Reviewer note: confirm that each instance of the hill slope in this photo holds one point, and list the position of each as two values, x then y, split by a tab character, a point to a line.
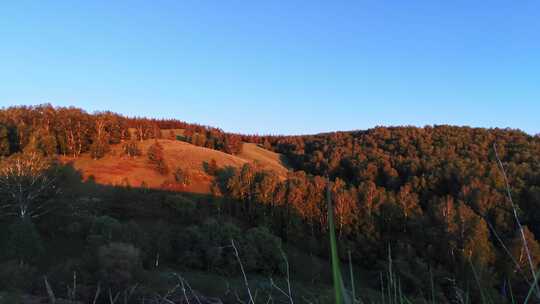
270	160
116	169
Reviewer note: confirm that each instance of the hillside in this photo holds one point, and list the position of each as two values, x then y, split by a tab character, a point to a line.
117	169
432	199
267	159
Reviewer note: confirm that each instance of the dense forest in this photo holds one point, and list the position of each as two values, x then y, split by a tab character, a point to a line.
445	209
72	131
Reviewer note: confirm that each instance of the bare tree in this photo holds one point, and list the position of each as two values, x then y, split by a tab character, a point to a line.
26	185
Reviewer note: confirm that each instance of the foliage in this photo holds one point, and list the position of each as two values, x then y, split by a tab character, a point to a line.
261	251
72	131
27	183
131	148
14	276
119	264
208	247
433	196
106	227
24	242
182	176
4	141
212	167
184	207
157	159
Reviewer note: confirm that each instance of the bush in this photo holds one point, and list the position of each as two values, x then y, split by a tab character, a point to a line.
132	233
182	177
119	265
10	298
183	206
262	251
158	248
208	246
211	167
14	276
99	148
24	242
131	148
157	159
61	275
106	227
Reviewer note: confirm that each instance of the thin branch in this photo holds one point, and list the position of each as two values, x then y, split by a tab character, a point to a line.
50	292
243	272
98	291
514	208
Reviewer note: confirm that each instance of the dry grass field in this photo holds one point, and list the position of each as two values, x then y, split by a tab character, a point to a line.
117	169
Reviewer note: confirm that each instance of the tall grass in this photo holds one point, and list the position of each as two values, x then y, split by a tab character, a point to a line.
339	289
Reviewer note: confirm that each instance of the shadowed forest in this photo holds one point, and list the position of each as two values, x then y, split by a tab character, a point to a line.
439	214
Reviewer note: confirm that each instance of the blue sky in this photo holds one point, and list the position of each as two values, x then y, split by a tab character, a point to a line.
284	67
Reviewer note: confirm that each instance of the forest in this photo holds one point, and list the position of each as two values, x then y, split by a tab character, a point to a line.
450	213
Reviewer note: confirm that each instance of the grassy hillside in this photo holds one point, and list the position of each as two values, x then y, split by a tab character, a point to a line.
117	169
428	209
263	157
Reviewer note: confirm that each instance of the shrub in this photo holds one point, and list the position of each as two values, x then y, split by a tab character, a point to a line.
99	148
106	227
182	177
14	276
131	148
183	206
24	241
211	167
157	159
132	233
262	251
4	141
208	246
119	264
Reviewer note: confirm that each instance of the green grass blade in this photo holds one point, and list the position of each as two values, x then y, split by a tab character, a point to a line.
339	290
432	286
533	287
511	292
351	273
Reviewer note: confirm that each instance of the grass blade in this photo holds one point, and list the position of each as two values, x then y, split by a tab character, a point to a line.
339	290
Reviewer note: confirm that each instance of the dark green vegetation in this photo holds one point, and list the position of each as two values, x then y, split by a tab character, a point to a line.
419	211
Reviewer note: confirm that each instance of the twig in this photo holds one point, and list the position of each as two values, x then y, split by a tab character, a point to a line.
50	292
243	272
111	299
194	294
184	291
509	196
98	291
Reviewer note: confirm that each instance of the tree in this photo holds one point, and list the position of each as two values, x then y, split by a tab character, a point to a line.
157	159
119	264
261	250
27	183
185	208
182	177
106	228
344	206
159	245
212	167
4	141
99	148
131	148
24	242
42	142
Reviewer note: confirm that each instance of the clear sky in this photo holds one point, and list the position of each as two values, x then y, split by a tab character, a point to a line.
284	67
